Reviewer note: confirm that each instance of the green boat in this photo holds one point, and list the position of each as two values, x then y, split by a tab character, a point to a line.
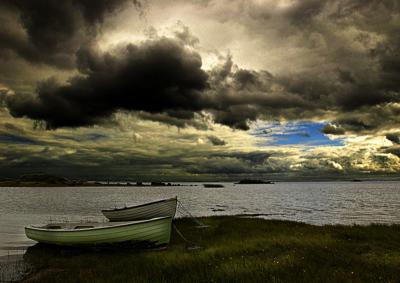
151	232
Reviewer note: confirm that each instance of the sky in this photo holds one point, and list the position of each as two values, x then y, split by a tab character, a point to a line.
201	89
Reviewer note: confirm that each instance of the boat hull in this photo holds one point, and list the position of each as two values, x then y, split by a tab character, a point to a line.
153	232
150	210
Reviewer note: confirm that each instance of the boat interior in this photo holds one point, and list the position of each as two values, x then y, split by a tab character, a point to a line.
75	226
71	226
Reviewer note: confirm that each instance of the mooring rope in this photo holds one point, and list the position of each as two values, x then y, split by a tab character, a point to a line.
181	235
190	245
185	210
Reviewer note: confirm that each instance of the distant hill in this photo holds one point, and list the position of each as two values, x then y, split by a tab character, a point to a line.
45	178
39	179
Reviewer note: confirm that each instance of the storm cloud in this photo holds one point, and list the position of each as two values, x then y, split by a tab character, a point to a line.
111	81
346	63
51	32
156	76
356	87
393	138
216	141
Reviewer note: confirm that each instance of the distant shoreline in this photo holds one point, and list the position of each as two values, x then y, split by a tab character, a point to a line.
80	184
173	184
45	180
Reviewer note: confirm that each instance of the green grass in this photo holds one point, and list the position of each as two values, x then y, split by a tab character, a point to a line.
237	250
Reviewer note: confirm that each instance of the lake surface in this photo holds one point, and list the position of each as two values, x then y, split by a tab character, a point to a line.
316	203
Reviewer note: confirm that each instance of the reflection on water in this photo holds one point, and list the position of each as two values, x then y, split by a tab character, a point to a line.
316	203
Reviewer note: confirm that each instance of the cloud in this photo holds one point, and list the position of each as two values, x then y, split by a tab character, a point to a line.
251	157
335	165
177	118
51	32
16	139
86	137
339	56
216	141
343	67
185	35
393	137
332	129
155	77
395	150
162	152
283	61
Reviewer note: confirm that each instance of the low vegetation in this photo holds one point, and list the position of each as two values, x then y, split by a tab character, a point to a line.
35	180
46	180
234	249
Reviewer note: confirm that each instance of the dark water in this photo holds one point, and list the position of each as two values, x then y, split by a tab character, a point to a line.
316	203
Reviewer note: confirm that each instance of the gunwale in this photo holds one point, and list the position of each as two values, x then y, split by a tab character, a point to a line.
109	225
140	205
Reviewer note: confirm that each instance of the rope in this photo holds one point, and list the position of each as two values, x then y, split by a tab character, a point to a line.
181	235
191	245
182	208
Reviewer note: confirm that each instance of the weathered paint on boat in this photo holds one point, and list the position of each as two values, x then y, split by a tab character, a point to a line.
156	231
161	208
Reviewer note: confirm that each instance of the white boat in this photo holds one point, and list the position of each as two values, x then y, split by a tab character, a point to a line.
161	208
156	231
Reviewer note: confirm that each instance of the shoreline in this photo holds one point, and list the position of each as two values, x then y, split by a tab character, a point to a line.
46	180
235	249
172	184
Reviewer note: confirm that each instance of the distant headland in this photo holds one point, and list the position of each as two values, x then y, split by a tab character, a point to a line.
49	180
46	180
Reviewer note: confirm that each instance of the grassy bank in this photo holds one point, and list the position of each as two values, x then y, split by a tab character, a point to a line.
237	250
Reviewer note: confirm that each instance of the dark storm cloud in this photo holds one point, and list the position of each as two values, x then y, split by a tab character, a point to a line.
252	157
234	163
351	62
49	31
177	118
156	76
355	45
236	116
241	96
395	150
370	119
216	140
393	138
332	129
125	80
361	87
303	11
226	169
362	79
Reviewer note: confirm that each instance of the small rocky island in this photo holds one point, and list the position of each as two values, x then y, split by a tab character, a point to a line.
213	185
252	182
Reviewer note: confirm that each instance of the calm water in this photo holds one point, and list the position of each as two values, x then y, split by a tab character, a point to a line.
315	203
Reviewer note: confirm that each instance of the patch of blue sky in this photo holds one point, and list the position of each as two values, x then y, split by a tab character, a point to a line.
299	133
